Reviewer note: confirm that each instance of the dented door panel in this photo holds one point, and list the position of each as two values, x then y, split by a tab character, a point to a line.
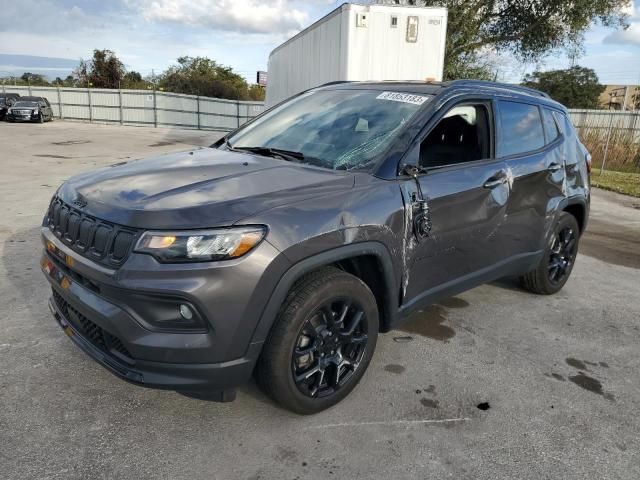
467	213
538	189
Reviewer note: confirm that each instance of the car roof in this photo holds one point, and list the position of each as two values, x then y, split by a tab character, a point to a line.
32	99
435	88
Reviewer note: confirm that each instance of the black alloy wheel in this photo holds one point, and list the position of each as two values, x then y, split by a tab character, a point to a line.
321	343
329	348
558	259
563	253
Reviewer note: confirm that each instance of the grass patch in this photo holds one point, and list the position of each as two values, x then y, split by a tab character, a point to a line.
621	182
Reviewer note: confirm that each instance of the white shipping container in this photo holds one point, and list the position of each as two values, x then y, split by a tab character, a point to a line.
359	43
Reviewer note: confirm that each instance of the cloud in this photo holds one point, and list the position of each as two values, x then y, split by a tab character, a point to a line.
630	36
244	16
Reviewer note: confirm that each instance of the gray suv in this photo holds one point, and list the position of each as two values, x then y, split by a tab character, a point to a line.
286	248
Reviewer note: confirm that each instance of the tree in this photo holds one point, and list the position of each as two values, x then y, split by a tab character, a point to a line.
104	70
636	99
528	29
256	92
203	76
575	87
134	80
70	81
34	79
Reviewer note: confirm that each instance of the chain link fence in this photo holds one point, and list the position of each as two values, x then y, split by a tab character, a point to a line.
612	138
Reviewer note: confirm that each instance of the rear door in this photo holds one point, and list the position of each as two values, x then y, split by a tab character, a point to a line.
465	189
530	144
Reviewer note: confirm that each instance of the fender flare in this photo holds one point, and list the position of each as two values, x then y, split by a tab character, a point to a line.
575	200
316	261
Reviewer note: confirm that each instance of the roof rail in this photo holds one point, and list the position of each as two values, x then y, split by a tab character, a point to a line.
336	82
484	83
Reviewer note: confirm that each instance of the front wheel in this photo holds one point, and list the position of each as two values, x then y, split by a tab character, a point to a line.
322	342
557	263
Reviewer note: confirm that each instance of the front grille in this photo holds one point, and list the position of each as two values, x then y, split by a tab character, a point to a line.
95	334
102	241
22	112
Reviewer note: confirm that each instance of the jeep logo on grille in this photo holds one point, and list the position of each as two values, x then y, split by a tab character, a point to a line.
79	202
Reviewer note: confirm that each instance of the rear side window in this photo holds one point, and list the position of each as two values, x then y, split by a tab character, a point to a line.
565	124
521	128
550	126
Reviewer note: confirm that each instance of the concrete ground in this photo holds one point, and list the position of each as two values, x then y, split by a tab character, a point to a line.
559	376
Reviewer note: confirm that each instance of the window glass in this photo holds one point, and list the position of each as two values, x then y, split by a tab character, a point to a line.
462	135
521	128
338	129
565	124
550	126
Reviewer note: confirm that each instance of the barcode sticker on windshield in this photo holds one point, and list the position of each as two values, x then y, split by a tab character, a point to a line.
402	97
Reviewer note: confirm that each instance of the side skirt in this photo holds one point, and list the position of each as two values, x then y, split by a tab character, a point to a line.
515	265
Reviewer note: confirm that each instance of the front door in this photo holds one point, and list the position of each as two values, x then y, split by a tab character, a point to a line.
465	191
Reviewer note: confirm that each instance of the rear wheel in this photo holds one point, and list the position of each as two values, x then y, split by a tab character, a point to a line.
322	342
558	260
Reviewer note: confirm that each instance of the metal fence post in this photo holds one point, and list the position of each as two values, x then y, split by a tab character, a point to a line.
90	105
198	109
29	89
120	105
238	112
59	104
155	109
606	147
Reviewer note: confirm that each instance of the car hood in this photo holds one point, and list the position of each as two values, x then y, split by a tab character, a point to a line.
197	189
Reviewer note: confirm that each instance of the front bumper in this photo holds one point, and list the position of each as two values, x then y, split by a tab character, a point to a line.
93	306
172	376
22	118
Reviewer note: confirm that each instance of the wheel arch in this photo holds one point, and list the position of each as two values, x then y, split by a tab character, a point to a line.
579	211
577	206
369	261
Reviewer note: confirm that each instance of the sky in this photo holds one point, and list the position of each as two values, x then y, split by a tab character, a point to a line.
148	35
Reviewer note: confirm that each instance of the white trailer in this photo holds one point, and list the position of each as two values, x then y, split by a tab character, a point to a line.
360	42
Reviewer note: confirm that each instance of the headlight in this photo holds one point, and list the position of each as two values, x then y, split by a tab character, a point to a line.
200	246
35	112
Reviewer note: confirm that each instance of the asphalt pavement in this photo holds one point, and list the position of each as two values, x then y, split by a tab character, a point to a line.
495	383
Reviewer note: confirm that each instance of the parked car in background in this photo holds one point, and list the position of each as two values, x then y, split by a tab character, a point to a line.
30	109
283	250
6	100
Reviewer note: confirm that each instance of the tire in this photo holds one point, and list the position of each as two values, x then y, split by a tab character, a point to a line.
559	258
41	119
299	328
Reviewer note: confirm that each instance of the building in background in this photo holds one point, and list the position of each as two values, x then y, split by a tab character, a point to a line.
621	97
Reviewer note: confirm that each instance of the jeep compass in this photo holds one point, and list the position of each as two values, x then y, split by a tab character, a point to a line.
285	249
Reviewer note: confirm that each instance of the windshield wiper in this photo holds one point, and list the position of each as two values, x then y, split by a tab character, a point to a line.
275	152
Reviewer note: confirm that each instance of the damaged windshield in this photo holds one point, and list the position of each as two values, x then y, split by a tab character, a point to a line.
337	129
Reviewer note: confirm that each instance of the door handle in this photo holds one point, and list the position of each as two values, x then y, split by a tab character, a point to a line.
496	180
554	167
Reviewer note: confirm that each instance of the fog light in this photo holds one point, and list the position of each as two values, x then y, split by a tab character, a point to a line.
186	312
